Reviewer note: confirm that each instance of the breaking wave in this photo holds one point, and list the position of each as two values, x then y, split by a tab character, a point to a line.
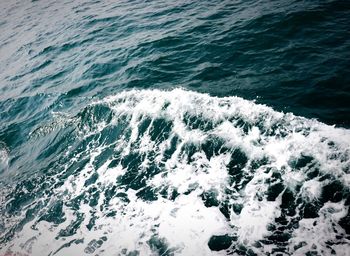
150	172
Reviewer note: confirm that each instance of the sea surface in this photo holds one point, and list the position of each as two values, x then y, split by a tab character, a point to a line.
174	127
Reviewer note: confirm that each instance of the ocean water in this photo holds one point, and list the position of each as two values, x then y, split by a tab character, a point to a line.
174	127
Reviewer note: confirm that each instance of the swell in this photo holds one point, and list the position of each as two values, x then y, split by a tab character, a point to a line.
277	51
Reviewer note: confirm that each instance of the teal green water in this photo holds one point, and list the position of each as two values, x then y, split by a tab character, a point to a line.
138	128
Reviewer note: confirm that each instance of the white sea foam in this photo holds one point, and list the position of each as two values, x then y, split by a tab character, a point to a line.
193	148
314	234
4	157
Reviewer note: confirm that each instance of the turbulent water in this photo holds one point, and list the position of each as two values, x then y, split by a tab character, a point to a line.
138	128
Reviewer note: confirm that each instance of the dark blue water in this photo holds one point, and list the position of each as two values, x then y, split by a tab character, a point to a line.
174	128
